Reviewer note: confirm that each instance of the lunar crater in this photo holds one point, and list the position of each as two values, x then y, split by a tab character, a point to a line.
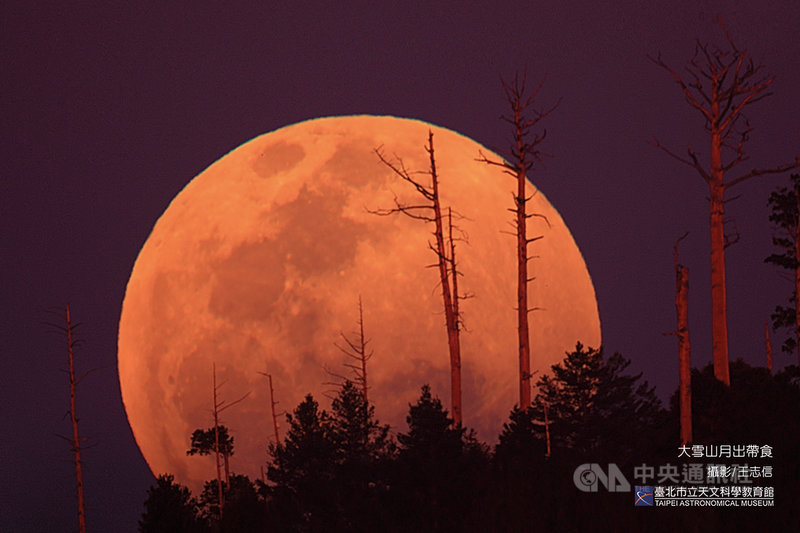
280	157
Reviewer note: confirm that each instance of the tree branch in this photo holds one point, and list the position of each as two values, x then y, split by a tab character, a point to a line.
692	162
759	172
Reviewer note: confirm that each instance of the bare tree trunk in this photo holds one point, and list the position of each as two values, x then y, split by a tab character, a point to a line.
432	212
684	345
522	295
768	346
455	353
224	449
684	348
522	156
356	350
720	83
719	306
272	407
225	458
362	351
76	440
451	320
547	430
520	201
216	444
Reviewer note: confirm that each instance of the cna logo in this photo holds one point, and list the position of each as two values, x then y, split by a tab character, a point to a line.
643	496
589	475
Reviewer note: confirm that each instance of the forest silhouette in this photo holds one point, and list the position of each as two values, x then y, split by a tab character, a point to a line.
342	470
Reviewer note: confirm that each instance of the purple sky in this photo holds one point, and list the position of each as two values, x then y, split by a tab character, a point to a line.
107	112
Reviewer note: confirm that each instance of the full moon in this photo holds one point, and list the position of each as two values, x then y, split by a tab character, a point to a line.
259	263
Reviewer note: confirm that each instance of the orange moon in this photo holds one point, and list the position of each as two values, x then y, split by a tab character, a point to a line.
258	264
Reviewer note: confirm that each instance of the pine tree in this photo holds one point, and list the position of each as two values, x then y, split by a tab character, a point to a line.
204	442
520	443
363	449
358	436
438	470
785	206
170	507
594	409
243	508
303	468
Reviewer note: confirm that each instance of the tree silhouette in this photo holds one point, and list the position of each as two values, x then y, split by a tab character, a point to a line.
358	436
432	211
76	442
357	351
594	409
521	468
684	343
330	472
437	469
768	346
757	408
720	83
217	446
520	444
243	510
302	468
204	442
784	204
362	451
272	405
523	156
169	508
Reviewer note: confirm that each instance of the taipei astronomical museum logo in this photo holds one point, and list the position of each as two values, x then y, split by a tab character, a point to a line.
643	496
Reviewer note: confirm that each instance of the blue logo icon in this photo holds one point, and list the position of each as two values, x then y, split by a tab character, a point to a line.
643	496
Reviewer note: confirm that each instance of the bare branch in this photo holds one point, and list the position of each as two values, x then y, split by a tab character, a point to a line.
692	161
675	248
733	237
686	89
502	164
543	217
222	405
759	172
400	171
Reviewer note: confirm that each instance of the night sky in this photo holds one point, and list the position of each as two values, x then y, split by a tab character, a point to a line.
108	111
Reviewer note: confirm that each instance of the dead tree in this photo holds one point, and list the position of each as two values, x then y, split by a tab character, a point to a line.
358	352
768	346
431	211
684	346
272	404
720	83
219	407
523	156
76	442
454	273
546	431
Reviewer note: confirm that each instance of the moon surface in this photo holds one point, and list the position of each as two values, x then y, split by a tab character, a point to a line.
258	265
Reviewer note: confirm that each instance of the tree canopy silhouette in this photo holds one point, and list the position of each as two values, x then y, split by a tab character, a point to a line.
594	409
784	204
437	470
170	507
